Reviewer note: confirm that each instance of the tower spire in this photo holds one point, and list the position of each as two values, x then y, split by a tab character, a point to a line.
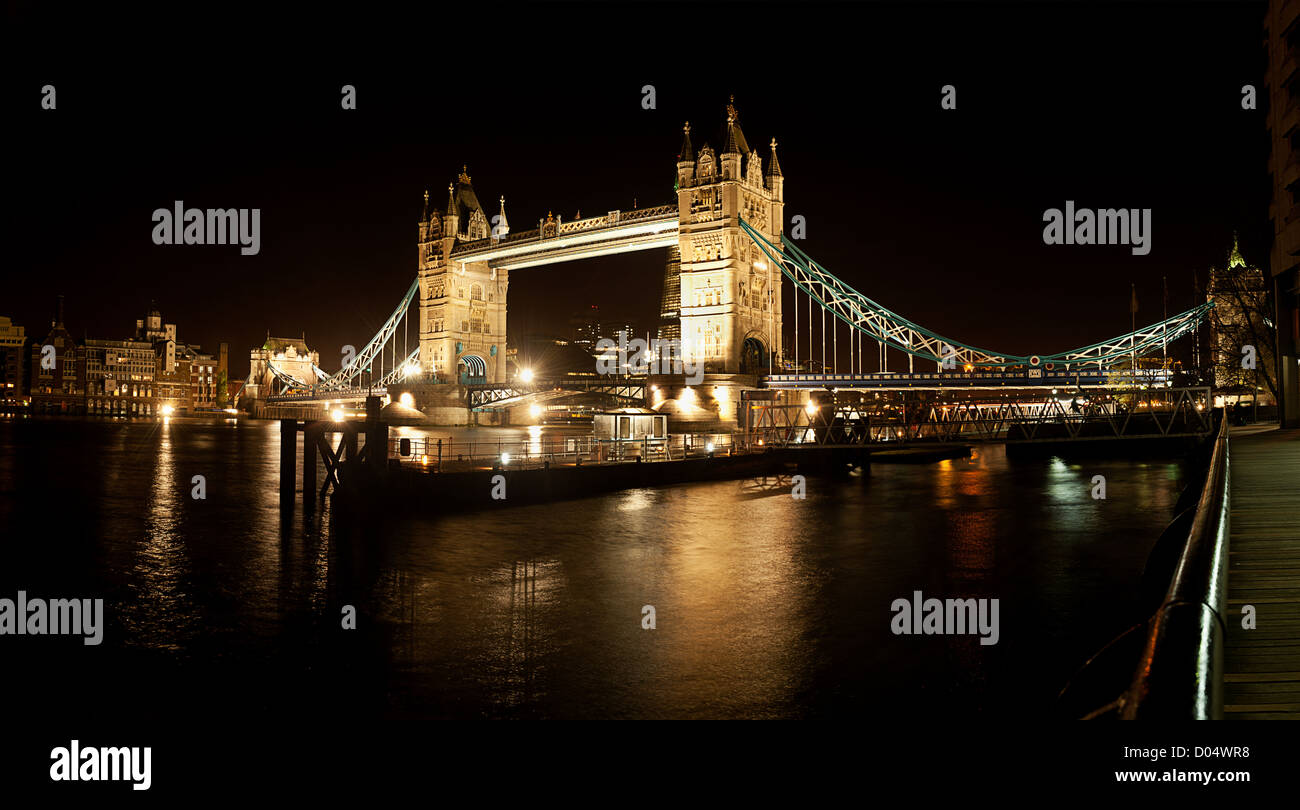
502	227
688	153
774	166
1235	258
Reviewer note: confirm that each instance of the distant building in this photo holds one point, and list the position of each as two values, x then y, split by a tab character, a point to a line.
1239	293
57	381
1282	38
13	343
203	378
586	327
277	360
120	377
670	324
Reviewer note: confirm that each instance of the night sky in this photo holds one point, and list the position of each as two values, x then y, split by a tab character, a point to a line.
935	214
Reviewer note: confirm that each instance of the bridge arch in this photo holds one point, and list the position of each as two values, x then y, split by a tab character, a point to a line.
471	369
754	353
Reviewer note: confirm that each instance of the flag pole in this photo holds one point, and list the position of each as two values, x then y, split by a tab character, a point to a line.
1164	331
1132	335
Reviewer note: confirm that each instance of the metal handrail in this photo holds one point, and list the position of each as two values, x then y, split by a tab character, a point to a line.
1180	673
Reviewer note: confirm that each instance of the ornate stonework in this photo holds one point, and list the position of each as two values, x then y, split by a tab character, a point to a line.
730	294
462	304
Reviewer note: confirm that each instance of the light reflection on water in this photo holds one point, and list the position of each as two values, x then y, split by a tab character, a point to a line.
766	606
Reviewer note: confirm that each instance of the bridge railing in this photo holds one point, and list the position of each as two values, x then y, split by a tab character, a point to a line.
1173	412
1180	673
451	455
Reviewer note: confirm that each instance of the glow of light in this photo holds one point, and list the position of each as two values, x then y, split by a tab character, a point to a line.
535	410
687	398
337	415
167	410
505	458
406	399
708	448
526	375
811	407
411	369
424	460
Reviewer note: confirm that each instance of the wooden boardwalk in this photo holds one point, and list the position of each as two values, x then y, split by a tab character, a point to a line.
1262	666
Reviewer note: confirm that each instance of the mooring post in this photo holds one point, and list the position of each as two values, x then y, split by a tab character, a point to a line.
288	460
376	436
311	434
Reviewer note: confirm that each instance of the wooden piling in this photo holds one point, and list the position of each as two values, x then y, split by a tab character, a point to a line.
288	460
310	436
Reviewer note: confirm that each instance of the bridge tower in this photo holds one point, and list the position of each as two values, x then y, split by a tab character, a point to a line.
462	304
730	310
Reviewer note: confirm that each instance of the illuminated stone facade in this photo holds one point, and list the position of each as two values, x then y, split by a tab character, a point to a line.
730	311
292	356
462	304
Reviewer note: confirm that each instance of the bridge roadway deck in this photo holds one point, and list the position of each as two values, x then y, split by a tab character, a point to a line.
1262	666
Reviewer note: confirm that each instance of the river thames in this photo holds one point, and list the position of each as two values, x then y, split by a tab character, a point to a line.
766	606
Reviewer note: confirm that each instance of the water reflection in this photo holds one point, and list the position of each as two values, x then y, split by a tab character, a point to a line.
766	605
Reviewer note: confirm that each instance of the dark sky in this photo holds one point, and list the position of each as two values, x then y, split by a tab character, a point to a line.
935	214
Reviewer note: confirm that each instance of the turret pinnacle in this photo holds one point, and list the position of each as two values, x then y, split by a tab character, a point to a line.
688	153
1235	258
774	166
734	140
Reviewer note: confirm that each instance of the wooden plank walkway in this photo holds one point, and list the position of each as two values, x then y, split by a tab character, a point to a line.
1262	666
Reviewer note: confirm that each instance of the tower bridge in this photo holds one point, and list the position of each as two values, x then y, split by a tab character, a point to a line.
728	262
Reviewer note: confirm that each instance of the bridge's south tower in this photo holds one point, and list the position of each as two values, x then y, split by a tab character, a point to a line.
462	304
730	294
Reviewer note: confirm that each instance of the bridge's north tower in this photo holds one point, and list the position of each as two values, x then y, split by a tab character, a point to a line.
462	304
730	295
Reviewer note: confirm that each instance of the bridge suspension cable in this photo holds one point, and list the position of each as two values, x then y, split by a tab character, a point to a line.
891	330
364	360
